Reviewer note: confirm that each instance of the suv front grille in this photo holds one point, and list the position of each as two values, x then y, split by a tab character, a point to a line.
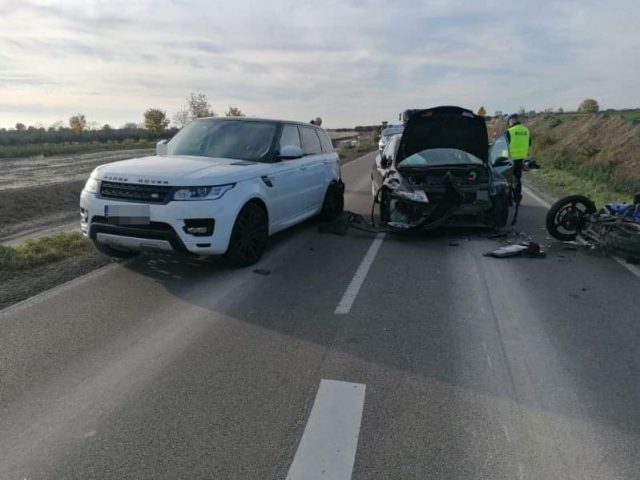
132	191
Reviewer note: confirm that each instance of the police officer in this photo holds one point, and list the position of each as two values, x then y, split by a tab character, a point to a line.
519	140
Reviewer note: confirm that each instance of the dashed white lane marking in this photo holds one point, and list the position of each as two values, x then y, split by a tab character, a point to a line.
330	439
484	346
352	290
506	432
632	268
489	362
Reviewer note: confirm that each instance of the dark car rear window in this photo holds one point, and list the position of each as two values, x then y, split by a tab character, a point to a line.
436	157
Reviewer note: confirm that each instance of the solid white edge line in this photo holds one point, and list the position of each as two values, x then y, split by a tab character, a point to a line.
632	268
357	159
353	289
536	197
328	446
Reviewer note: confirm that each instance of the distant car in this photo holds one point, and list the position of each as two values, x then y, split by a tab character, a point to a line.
220	186
387	133
437	172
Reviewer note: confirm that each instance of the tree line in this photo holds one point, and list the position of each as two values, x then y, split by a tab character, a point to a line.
155	125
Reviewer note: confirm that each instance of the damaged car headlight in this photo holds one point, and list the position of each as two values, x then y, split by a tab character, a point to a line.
392	180
92	185
202	193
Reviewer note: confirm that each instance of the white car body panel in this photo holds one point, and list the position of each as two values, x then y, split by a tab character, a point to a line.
296	193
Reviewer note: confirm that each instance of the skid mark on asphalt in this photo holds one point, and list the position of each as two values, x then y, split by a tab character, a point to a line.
351	293
330	439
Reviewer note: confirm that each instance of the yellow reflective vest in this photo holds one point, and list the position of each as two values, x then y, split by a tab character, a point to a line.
519	140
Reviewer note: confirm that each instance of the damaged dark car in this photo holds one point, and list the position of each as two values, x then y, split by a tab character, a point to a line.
437	173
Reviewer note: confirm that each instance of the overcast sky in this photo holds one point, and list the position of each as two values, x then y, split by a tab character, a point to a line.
350	62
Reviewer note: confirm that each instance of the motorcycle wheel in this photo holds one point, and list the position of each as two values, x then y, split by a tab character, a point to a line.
567	217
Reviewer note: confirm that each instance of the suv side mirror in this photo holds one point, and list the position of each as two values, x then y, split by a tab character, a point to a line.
290	152
161	148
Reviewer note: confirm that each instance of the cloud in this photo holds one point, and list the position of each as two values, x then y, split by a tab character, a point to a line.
351	62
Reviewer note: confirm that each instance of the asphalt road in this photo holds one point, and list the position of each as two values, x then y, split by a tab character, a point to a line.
357	356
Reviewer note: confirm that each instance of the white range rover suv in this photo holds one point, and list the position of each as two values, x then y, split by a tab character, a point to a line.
220	186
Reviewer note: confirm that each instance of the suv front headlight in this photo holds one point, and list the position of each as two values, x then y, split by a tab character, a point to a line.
202	193
92	185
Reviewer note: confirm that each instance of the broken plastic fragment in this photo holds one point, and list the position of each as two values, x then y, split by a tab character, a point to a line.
417	196
400	225
530	249
508	251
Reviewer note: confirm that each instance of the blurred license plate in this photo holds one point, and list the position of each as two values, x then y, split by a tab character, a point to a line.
127	214
482	195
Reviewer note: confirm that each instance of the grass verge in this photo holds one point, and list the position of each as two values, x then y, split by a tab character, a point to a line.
42	251
562	183
38	265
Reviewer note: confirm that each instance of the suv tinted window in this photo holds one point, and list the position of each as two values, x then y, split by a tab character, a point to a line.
310	141
327	146
290	136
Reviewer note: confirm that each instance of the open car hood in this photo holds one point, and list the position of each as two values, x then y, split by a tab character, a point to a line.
444	127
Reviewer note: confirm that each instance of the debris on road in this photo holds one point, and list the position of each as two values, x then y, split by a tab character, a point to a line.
337	228
528	249
496	235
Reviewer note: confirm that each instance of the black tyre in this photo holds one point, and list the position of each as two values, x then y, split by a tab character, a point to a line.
249	236
114	252
567	217
624	241
385	205
333	204
499	211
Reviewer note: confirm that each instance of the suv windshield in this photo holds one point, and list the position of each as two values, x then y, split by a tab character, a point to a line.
237	139
435	157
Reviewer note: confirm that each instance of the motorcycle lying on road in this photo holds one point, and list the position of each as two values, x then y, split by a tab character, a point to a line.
615	228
